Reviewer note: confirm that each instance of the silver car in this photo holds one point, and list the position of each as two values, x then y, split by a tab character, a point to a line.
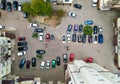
47	64
72	14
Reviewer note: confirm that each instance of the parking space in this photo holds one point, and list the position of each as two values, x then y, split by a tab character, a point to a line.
102	54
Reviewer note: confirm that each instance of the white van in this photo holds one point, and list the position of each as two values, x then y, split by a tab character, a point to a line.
2	27
21	53
19	7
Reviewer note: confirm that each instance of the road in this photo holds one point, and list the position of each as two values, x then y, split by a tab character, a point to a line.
103	54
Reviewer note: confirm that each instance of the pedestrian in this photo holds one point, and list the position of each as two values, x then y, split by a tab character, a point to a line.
44	28
46	45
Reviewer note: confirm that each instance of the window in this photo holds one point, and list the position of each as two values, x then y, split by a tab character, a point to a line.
66	0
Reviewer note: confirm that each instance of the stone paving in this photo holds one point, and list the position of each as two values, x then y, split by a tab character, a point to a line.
103	54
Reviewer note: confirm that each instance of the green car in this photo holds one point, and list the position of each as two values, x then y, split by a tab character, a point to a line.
53	63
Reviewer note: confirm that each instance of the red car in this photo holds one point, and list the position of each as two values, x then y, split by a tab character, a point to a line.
47	37
28	64
71	58
88	60
21	38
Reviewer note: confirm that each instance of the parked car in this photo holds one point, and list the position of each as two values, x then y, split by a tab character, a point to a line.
52	37
94	3
95	29
69	29
28	64
47	37
65	58
79	38
22	63
53	63
88	22
38	30
63	38
3	4
15	5
58	60
88	60
2	27
23	48
68	38
100	38
72	14
25	15
77	6
71	58
40	51
23	43
21	53
21	38
83	38
9	6
90	38
80	28
74	37
95	39
42	65
47	64
33	61
100	29
20	8
40	36
75	28
33	24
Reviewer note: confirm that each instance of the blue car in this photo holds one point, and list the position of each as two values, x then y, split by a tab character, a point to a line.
75	28
22	63
88	22
100	38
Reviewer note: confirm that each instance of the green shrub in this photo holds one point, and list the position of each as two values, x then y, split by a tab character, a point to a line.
88	30
39	56
35	35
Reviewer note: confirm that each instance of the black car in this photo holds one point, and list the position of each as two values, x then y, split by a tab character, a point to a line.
69	29
25	15
52	37
33	61
15	5
9	6
95	29
24	48
38	30
3	4
22	43
40	51
90	38
58	60
77	6
84	38
79	38
74	37
80	28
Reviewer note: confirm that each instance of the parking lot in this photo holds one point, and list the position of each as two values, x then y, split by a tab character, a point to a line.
103	54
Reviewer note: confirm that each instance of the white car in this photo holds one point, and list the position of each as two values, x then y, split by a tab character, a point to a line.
47	64
72	14
42	65
94	3
20	8
100	29
33	24
2	27
40	36
21	53
68	38
63	38
95	39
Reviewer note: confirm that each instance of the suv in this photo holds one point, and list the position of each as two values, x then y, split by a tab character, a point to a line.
40	36
2	27
19	7
33	61
84	38
38	30
58	60
53	63
80	28
79	38
22	63
95	29
69	29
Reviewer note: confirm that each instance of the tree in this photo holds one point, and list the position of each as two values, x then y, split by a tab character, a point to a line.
88	30
60	13
26	7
